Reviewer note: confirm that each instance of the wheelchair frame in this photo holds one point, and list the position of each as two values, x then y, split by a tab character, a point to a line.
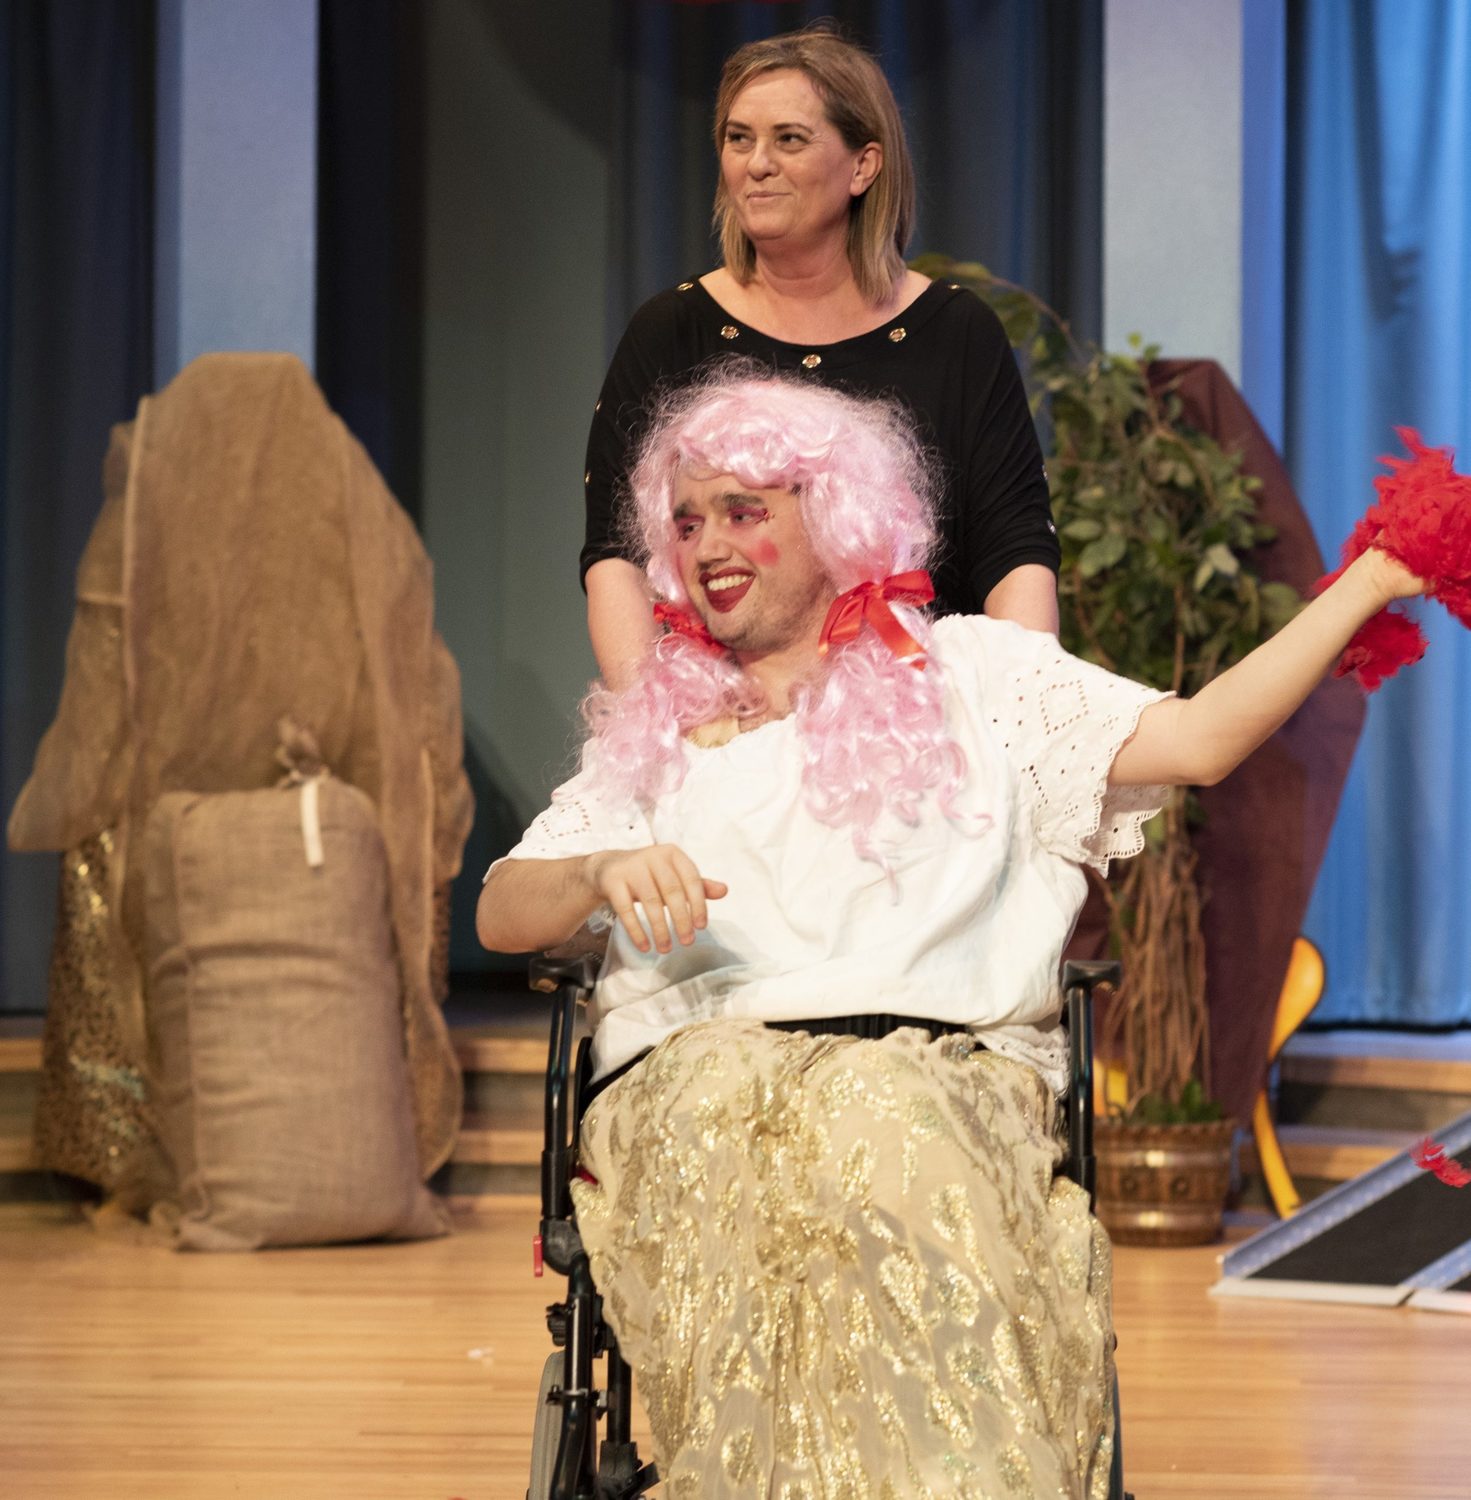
578	1468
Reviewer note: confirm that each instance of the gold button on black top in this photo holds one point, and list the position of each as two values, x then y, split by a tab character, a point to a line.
730	331
684	286
897	335
587	478
812	361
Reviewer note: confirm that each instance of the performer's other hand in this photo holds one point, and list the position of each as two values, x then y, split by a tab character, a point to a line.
664	881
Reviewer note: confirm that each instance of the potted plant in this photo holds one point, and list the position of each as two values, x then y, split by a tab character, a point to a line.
1155	520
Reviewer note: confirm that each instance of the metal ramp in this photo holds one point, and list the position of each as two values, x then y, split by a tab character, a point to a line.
1394	1235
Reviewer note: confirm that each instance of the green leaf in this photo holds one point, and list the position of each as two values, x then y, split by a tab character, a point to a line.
1103	553
1082	530
1280	602
1195	1107
1224	560
931	264
1020	324
1158	522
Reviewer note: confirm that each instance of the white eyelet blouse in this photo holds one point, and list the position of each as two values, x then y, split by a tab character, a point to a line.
970	928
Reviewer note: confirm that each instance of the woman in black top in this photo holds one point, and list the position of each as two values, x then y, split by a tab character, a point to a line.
815	205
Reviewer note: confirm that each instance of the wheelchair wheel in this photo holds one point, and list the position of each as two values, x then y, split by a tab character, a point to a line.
547	1432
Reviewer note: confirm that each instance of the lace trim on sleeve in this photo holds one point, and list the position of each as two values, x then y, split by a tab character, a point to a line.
1064	721
576	824
579	823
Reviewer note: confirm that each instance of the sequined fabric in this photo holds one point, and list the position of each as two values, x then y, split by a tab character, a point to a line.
843	1269
89	1113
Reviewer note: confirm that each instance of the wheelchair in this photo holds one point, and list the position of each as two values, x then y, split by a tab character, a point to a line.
567	1461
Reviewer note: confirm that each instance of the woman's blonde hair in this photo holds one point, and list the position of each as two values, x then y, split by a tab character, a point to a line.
860	104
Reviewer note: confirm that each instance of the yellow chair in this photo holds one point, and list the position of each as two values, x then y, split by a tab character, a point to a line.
1110	1087
1301	991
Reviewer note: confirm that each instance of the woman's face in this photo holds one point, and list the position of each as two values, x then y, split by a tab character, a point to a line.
787	171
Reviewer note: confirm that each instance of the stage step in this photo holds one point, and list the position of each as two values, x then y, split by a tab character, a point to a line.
1347	1100
1318	1157
501	1046
20	1077
20	1047
501	1041
1366	1080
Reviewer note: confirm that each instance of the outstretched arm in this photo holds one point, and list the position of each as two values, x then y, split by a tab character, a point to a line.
1198	741
530	904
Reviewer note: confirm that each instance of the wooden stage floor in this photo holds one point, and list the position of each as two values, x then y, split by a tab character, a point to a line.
408	1371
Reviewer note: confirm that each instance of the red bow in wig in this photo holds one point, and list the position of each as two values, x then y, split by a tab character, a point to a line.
869	603
1423	520
691	627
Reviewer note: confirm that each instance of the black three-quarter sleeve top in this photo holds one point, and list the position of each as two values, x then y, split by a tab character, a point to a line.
945	356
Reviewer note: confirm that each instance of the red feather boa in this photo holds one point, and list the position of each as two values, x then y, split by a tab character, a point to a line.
1423	519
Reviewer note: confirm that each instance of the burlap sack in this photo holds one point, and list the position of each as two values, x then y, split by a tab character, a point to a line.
281	1089
249	563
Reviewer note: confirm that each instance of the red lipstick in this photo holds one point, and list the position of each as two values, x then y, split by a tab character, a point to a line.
722	601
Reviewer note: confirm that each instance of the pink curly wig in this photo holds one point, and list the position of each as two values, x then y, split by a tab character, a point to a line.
872	727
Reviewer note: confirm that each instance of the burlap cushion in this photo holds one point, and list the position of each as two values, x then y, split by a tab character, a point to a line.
280	1084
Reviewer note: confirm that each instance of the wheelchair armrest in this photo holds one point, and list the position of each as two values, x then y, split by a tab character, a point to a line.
548	971
568	980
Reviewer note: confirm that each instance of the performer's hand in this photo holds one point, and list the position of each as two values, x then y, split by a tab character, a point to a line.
1389	578
664	881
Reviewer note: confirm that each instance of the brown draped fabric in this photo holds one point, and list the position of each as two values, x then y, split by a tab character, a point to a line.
1267	824
248	565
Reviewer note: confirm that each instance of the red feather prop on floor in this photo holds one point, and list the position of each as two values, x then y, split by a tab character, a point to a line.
1423	519
1430	1156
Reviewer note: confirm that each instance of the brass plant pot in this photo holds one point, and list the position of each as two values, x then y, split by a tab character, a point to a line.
1163	1184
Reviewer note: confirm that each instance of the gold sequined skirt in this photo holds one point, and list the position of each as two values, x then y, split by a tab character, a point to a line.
844	1268
91	1112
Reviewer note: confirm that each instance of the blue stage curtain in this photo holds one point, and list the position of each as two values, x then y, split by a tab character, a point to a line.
76	353
370	229
1379	335
1002	102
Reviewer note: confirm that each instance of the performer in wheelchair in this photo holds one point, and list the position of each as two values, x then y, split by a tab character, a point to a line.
839	850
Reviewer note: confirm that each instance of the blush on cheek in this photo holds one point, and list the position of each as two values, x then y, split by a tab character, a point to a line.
763	553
